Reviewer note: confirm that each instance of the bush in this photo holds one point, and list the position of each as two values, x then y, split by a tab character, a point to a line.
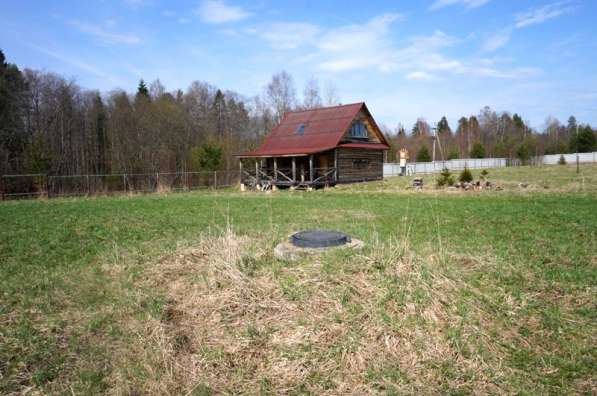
478	151
583	142
445	178
206	157
423	155
453	155
562	160
523	153
484	173
465	176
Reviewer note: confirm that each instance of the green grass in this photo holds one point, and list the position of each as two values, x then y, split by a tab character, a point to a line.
73	274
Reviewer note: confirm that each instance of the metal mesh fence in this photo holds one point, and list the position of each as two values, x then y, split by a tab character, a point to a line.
50	186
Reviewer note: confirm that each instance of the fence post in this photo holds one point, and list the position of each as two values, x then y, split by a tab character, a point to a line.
2	186
124	182
47	185
157	181
215	180
88	186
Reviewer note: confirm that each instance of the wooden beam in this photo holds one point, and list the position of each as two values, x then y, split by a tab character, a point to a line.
257	181
240	174
335	164
311	168
294	169
275	169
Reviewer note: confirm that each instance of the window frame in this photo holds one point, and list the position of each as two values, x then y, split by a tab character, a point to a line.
361	129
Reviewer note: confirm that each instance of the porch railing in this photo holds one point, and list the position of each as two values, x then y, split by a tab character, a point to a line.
285	176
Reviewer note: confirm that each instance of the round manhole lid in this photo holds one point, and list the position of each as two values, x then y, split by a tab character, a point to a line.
319	238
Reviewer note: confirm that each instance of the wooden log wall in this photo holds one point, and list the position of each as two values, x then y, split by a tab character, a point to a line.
359	164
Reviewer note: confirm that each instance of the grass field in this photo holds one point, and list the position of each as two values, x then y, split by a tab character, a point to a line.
455	292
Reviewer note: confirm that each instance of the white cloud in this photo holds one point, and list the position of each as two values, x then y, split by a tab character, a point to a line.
437	4
424	53
359	46
511	74
217	11
539	15
287	35
76	62
497	40
104	35
419	76
522	20
369	46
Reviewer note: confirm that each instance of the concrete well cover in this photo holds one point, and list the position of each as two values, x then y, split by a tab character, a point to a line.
319	238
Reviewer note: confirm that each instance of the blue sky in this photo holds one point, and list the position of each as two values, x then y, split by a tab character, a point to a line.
406	59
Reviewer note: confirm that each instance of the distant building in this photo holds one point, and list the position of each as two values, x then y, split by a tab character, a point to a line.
323	146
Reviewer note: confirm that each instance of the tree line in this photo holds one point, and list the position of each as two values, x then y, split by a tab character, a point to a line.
492	134
51	125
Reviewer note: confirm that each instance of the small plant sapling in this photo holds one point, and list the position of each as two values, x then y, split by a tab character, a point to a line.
445	178
465	176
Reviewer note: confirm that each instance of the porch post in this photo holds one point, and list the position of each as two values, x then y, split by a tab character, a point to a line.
257	180
311	168
293	169
240	174
275	169
335	165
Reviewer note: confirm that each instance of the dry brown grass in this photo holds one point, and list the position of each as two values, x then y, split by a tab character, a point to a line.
386	320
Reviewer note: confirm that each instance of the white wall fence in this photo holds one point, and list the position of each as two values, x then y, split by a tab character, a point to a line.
570	158
412	168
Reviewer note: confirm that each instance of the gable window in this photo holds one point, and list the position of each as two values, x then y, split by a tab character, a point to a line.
358	130
301	129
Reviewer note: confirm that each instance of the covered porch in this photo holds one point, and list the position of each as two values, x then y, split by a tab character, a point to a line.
293	171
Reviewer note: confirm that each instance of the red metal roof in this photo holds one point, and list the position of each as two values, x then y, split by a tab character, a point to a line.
323	129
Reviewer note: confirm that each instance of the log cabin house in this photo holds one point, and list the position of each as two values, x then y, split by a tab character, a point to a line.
318	147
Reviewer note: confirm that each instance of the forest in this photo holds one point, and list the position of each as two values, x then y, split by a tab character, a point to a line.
51	125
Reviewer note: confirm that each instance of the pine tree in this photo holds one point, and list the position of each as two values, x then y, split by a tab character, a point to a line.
584	141
445	178
571	124
443	128
465	176
219	114
142	89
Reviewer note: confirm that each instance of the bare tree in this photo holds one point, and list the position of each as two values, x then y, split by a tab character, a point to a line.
281	94
330	95
156	89
311	95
